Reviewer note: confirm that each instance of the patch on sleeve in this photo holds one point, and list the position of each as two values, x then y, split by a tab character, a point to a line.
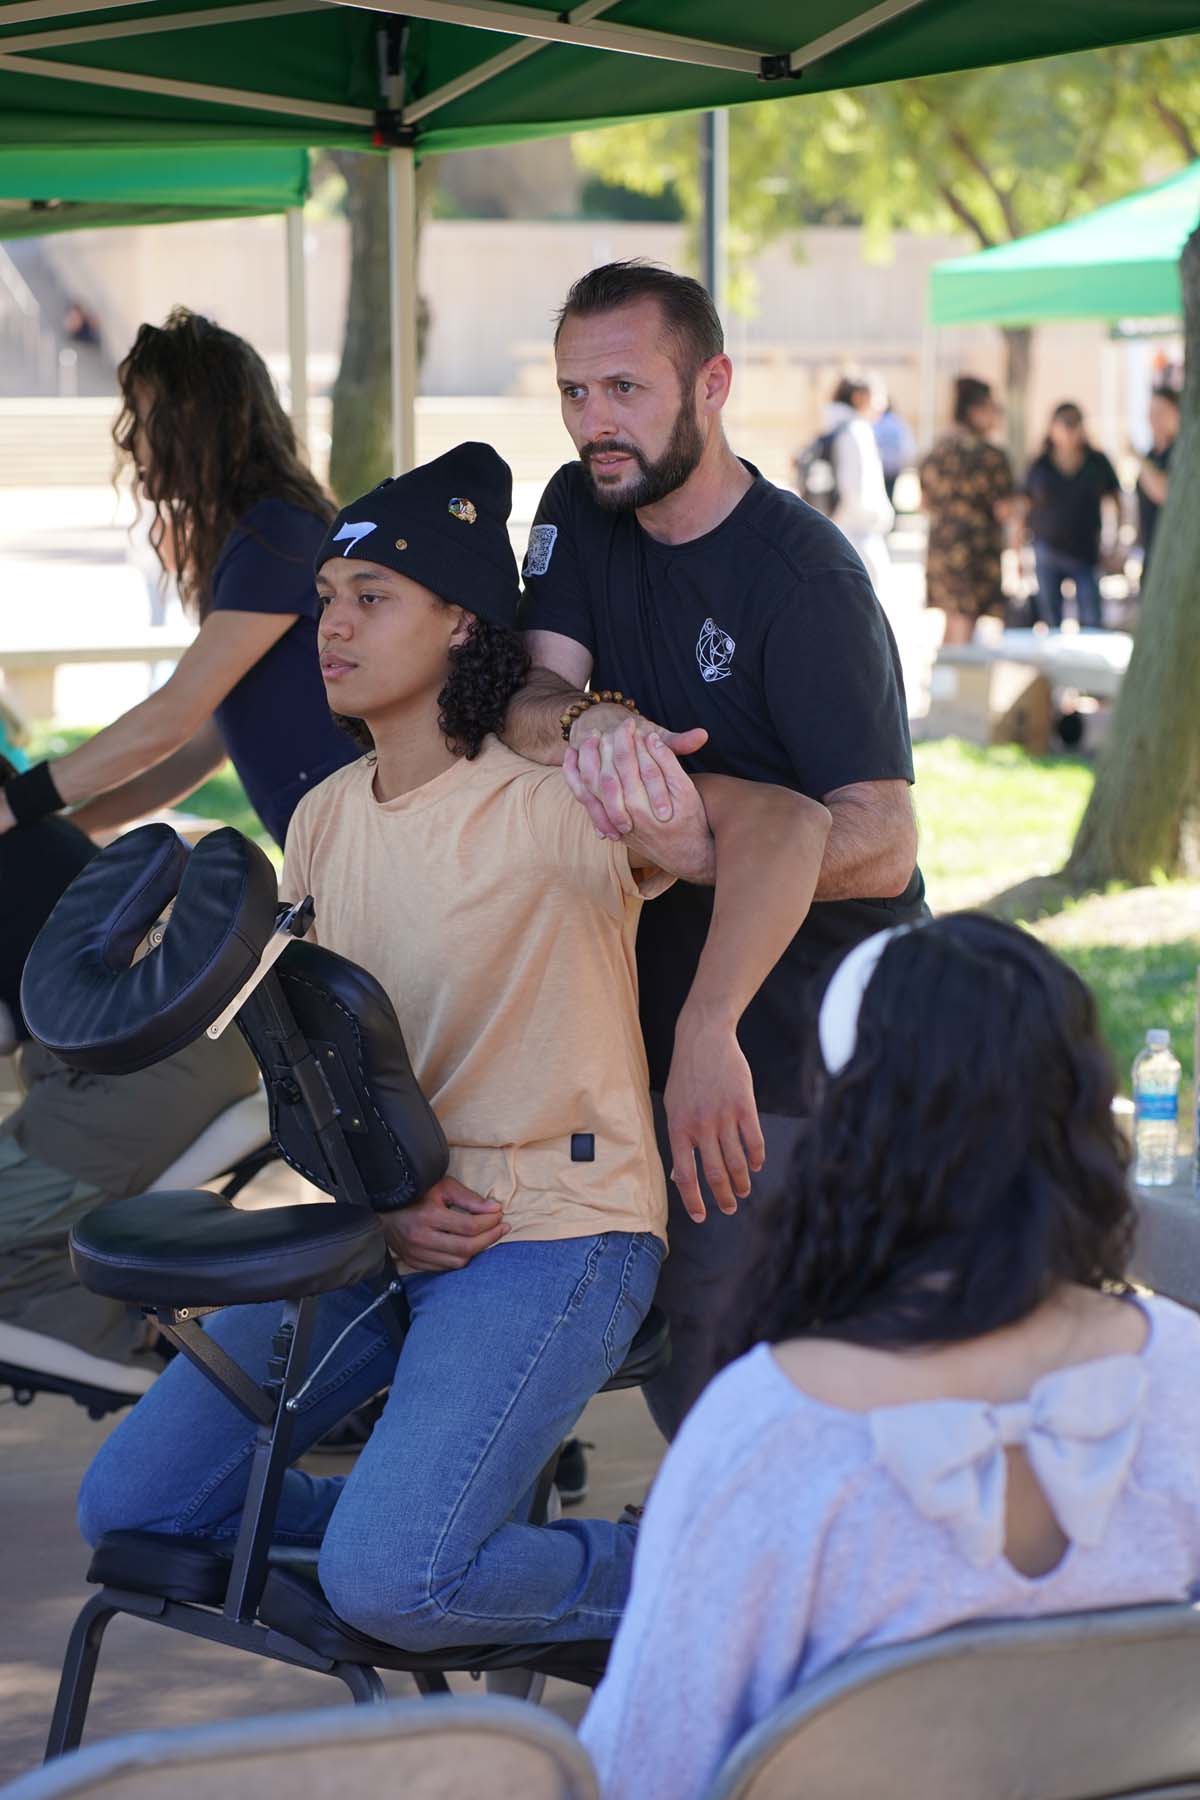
540	550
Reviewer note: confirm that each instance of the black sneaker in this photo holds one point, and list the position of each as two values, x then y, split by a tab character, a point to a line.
570	1473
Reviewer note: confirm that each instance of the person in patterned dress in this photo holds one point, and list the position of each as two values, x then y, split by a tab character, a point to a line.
966	485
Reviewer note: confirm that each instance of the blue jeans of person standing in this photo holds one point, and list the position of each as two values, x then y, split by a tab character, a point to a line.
1053	568
421	1544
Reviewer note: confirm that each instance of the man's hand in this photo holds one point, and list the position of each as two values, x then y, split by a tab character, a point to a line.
711	1109
609	783
7	821
445	1228
678	841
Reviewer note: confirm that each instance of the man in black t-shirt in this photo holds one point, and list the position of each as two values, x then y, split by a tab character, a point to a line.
1067	486
744	627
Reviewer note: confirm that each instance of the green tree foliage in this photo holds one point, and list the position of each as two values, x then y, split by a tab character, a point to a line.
995	153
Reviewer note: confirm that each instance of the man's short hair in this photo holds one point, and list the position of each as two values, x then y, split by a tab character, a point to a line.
1164	391
687	308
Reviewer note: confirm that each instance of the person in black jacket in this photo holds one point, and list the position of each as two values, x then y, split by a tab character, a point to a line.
1069	486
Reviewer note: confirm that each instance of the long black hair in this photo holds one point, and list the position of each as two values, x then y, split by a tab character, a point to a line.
219	441
486	670
962	1166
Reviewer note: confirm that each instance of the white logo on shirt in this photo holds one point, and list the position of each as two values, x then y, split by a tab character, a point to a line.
714	651
540	550
356	532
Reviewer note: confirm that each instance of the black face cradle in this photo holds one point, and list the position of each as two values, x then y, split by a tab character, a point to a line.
83	995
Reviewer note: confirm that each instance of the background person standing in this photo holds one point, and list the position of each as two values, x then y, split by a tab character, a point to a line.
670	574
1152	478
1073	494
966	489
863	511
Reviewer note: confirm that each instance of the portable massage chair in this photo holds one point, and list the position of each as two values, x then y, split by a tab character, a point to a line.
346	1112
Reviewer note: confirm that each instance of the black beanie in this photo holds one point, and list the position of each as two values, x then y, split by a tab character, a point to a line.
444	525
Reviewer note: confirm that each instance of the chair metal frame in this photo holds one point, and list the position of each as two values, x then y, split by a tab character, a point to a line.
266	1011
175	1754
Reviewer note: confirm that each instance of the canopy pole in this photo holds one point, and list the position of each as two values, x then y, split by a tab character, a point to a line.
402	251
297	325
714	189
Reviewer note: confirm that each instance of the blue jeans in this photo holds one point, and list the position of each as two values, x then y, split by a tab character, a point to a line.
420	1544
1053	568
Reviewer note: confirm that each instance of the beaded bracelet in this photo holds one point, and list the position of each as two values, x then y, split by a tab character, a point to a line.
604	697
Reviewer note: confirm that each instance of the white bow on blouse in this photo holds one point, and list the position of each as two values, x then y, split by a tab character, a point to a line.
1079	1428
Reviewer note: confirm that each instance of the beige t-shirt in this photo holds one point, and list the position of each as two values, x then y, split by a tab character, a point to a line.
502	929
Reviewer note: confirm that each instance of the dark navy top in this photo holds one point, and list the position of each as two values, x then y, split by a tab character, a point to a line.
276	724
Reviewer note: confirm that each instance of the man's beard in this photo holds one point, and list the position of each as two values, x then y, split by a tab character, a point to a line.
657	479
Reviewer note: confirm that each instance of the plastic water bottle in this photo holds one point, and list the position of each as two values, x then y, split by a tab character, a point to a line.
1155	1112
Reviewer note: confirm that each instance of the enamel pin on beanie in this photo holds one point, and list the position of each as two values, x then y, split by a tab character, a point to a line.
444	525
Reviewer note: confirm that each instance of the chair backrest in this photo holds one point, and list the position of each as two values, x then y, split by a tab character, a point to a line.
435	1749
359	1062
1085	1706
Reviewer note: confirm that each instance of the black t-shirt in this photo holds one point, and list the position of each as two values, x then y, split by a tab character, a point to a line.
1066	508
276	724
1148	509
766	632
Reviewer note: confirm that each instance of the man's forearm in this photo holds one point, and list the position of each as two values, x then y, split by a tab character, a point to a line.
769	844
532	726
872	847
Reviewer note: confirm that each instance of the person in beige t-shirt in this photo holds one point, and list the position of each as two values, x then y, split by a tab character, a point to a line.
502	927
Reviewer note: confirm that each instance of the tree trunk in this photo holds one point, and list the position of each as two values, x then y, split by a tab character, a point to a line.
361	453
1018	366
1141	815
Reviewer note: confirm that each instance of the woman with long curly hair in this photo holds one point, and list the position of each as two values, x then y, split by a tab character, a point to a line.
475	888
951	1404
237	516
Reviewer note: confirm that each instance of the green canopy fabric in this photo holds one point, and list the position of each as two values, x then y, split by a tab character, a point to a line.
1120	262
308	72
65	190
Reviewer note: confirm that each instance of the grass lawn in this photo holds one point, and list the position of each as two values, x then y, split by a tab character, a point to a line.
990	819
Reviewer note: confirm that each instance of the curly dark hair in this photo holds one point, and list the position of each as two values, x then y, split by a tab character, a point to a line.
486	670
219	442
962	1166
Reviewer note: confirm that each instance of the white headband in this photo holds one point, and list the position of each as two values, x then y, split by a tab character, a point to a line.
837	1026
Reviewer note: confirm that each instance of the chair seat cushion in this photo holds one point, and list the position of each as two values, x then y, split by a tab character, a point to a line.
294	1605
196	1249
176	1568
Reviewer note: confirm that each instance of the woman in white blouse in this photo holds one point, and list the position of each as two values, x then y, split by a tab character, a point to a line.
954	1406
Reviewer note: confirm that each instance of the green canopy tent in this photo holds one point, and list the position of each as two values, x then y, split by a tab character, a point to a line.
81	188
72	189
1120	262
414	76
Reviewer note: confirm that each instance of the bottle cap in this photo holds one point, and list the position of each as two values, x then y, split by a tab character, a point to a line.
1159	1040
